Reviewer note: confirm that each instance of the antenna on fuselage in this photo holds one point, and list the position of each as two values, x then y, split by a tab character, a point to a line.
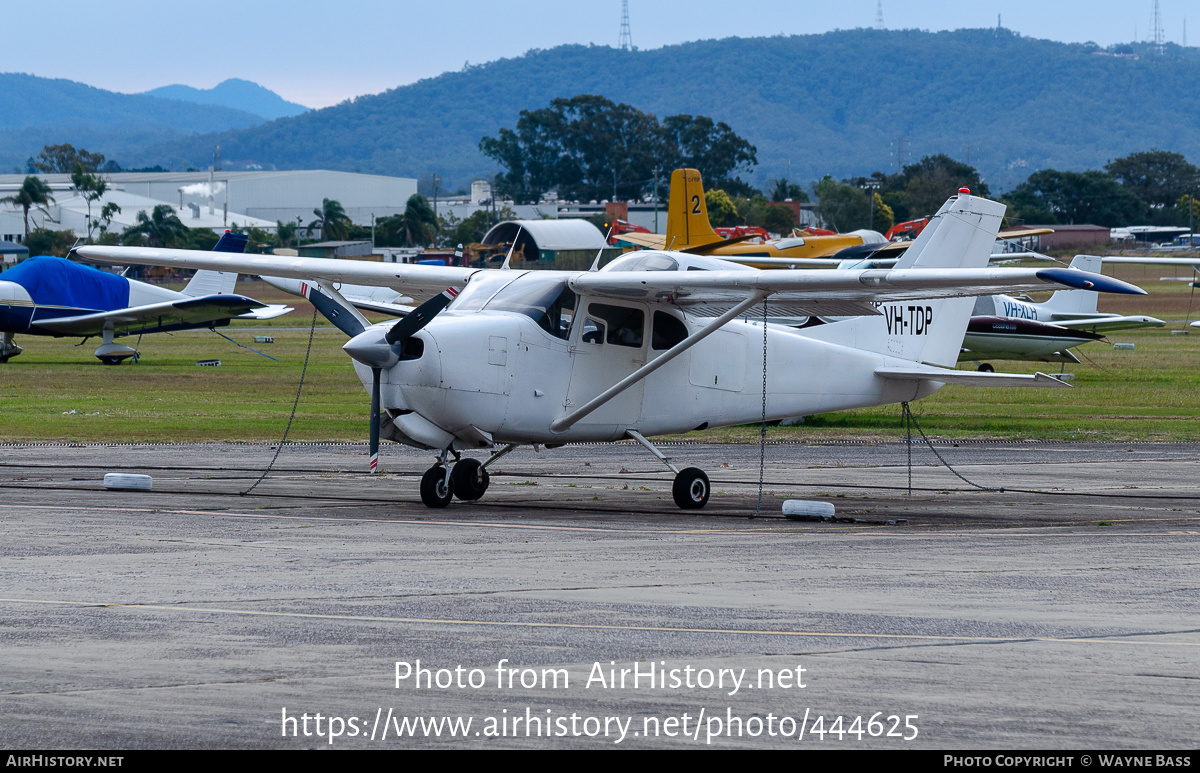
508	258
600	252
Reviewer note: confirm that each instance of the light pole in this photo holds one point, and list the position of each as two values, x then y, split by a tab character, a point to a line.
870	186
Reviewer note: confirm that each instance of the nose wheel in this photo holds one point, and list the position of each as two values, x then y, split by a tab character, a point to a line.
469	480
435	487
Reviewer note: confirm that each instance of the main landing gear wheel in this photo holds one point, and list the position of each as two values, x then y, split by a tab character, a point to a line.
111	360
691	489
435	490
469	480
986	368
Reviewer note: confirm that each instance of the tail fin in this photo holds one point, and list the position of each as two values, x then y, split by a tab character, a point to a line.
217	282
687	212
960	235
1077	301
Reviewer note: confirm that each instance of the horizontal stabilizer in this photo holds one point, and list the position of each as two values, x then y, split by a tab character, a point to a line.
968	378
270	311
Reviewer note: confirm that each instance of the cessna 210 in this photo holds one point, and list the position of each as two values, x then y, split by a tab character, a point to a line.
649	345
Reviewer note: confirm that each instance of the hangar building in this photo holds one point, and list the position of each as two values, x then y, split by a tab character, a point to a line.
555	244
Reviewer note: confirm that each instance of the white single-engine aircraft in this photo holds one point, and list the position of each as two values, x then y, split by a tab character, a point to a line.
649	345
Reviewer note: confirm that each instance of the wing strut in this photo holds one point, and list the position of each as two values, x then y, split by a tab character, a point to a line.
566	421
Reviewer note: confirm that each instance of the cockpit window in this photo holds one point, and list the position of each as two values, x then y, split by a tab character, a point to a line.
668	331
644	261
545	299
624	324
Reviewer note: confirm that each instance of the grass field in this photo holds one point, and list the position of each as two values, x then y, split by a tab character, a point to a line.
57	391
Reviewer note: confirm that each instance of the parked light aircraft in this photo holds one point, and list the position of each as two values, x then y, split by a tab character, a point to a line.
649	345
689	230
1193	263
1007	328
49	296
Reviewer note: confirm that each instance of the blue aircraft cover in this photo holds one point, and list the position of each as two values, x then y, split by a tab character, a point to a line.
59	282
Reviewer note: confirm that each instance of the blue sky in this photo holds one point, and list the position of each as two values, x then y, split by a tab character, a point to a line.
319	53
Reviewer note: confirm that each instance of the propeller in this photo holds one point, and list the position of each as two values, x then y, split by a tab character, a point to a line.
366	347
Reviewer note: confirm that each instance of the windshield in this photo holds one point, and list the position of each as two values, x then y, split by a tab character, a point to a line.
545	299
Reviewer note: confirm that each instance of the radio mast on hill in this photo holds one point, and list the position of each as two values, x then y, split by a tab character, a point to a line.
879	14
625	42
1156	27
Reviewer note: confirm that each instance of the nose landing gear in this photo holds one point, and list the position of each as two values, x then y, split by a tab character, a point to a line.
468	479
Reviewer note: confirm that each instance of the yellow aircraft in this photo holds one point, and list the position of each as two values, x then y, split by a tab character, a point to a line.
689	230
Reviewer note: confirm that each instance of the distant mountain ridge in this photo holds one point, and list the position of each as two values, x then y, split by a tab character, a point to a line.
234	93
45	111
842	103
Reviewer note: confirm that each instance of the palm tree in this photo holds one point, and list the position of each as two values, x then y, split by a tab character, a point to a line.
418	222
162	228
33	193
332	220
285	233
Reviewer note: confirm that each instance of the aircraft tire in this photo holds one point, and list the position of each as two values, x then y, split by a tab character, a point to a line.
435	492
690	490
986	368
111	360
3	360
469	480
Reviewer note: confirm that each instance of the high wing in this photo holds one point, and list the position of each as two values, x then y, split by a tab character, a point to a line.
836	292
419	282
156	317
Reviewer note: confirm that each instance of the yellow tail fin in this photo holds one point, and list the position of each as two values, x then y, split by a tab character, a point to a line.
687	212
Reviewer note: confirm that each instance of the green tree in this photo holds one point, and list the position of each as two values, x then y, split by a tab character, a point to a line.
62	159
778	219
884	218
782	190
722	212
1051	196
332	220
107	213
162	228
91	187
33	194
285	234
418	221
841	206
202	239
468	230
1188	211
696	142
588	147
929	182
1157	177
43	241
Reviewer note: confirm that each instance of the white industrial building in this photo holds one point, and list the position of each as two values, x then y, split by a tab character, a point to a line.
265	197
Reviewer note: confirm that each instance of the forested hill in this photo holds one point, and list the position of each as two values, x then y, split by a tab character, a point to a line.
835	104
45	111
